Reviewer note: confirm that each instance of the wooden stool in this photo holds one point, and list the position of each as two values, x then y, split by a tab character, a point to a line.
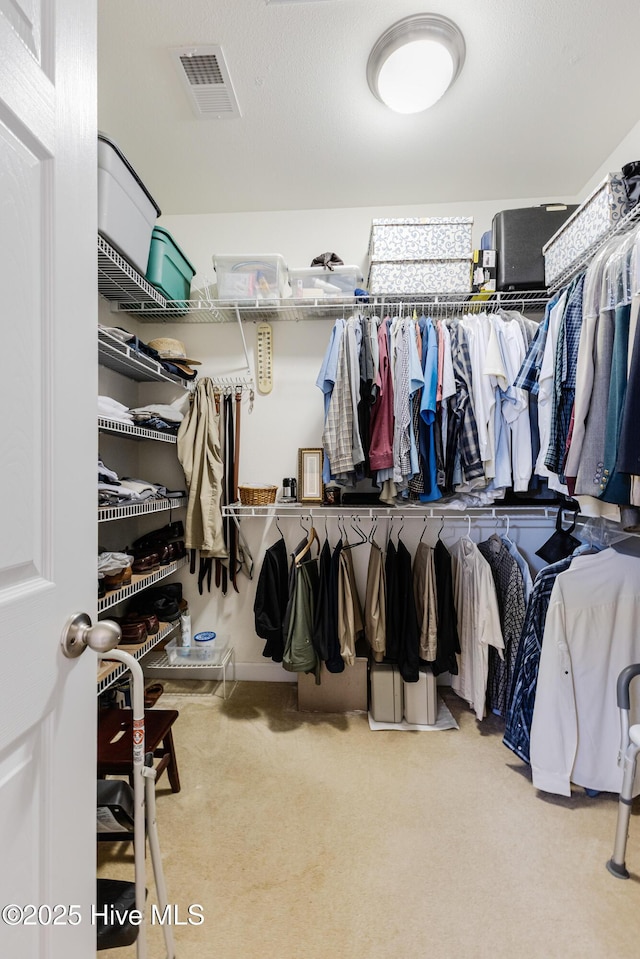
115	743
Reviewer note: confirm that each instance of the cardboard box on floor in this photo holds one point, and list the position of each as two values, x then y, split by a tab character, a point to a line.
338	692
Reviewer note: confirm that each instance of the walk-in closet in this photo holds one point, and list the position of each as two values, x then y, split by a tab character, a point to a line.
342	659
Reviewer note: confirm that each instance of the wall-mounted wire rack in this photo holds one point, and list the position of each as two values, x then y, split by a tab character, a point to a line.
109	672
106	425
623	225
120	282
122	358
107	514
417	512
259	311
138	583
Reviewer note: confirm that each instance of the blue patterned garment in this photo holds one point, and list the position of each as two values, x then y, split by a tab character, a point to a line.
564	378
529	373
517	735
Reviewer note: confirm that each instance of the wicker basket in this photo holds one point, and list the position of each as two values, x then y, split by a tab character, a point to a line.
257	495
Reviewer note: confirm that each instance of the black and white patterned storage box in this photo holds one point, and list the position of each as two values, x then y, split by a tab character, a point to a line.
420	276
585	227
421	238
420	255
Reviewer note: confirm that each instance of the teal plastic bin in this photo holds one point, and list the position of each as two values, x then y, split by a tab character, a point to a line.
168	269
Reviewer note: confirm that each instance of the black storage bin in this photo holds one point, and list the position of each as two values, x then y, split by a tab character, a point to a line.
518	237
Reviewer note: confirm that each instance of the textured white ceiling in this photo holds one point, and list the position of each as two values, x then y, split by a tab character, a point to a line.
547	91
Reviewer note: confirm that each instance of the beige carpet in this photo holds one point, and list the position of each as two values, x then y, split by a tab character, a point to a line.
309	836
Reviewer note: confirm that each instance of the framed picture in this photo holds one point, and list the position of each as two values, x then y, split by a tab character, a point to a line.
310	475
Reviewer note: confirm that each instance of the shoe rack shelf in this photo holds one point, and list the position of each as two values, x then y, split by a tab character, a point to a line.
108	513
108	672
139	581
106	425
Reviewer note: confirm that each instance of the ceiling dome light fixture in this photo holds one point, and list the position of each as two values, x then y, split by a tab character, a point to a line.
415	62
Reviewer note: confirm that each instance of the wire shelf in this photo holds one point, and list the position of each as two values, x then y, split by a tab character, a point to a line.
106	425
222	311
624	225
121	358
419	511
109	672
120	282
138	583
108	513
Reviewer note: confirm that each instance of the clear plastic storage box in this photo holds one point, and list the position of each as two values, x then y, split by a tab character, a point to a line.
212	654
313	282
251	277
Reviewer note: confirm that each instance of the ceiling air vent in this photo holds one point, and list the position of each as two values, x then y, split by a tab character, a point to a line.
206	79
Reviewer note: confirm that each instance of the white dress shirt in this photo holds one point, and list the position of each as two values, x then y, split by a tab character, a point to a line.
592	631
478	621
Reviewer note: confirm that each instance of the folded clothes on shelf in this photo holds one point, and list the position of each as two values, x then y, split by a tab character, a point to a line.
170	412
113	410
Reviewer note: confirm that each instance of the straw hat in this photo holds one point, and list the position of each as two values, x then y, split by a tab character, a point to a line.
172	350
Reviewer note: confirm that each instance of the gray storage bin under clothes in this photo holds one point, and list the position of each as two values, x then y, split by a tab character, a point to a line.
518	237
387	703
421	700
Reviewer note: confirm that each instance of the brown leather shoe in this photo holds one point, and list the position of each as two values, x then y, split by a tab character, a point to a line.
114	580
132	633
150	621
147	563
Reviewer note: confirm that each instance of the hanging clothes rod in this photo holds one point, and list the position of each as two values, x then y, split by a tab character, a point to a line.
302	510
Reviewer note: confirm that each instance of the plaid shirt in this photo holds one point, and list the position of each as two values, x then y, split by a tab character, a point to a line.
529	373
337	436
464	430
517	734
564	377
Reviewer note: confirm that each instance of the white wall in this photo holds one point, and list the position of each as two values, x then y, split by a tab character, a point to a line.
301	235
628	149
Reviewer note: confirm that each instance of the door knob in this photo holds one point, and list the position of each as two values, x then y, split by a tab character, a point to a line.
79	633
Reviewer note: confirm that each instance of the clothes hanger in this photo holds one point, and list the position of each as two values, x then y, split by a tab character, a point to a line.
313	538
372	531
441	528
359	532
424	530
278	527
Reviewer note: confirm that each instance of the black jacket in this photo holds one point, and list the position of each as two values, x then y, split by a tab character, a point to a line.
272	593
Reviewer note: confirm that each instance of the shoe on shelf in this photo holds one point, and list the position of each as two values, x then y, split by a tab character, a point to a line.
167	610
148	563
150	621
132	633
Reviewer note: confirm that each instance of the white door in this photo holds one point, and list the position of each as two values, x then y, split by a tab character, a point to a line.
48	444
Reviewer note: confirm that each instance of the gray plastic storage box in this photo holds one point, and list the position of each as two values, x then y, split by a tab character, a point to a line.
126	210
421	700
386	693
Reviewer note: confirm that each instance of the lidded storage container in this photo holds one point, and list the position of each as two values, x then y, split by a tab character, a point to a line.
126	209
257	277
586	226
168	268
313	282
420	255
